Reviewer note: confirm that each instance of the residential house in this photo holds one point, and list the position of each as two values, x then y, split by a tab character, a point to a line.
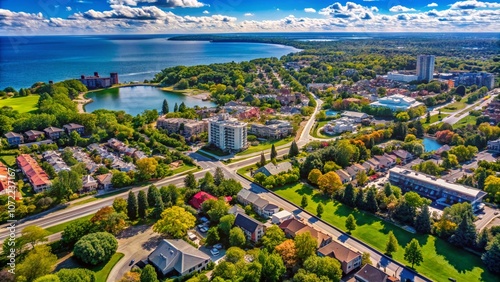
368	166
37	177
356	116
260	205
385	162
352	172
281	216
139	155
270	210
4	179
186	127
358	167
14	138
292	227
290	110
348	258
274	129
70	127
104	181
236	209
89	183
38	143
33	135
199	198
344	176
253	229
374	164
54	159
494	146
175	257
274	169
369	273
53	133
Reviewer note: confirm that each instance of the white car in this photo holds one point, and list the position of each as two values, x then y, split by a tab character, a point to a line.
218	246
214	252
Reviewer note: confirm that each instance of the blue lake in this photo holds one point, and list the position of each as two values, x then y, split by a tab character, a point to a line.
331	113
431	144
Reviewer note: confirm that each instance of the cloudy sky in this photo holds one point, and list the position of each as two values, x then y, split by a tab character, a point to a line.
24	17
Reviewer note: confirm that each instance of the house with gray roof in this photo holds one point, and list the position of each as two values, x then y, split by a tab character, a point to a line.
175	257
274	169
53	132
14	138
259	204
344	176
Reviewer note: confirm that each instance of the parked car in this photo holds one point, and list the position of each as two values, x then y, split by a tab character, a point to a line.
203	229
131	262
218	246
214	252
192	236
200	226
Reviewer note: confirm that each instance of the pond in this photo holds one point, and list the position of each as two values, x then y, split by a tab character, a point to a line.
431	144
135	99
330	113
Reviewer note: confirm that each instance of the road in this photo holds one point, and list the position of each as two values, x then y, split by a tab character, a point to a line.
452	119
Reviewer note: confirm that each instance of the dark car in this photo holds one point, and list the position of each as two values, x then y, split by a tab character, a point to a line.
131	262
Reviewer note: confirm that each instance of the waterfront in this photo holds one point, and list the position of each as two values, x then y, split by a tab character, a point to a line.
431	144
135	99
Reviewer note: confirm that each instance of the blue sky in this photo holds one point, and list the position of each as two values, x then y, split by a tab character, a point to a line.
182	16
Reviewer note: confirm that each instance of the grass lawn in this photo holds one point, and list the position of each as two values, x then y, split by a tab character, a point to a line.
102	271
315	130
60	227
183	168
265	145
453	107
84	201
466	120
434	118
441	259
21	104
8	160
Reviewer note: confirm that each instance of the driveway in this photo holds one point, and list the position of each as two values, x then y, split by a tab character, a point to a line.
136	242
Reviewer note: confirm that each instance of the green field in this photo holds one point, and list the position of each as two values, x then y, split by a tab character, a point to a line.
441	259
183	168
434	118
60	227
21	104
8	160
265	146
84	201
453	107
315	130
102	271
466	120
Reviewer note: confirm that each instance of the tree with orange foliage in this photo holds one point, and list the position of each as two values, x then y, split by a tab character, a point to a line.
329	183
288	253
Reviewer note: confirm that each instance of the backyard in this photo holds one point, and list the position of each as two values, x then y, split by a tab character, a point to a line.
21	104
441	259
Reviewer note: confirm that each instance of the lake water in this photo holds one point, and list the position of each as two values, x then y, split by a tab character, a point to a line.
431	144
26	60
135	99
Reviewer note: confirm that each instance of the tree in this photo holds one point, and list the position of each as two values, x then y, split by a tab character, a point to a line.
349	197
66	183
182	107
225	270
169	195
392	244
491	258
218	176
38	262
314	175
175	222
306	245
132	206
147	168
190	181
154	196
324	267
272	238
304	202
95	248
237	237
120	205
288	253
362	178
320	209
274	153
106	219
235	254
423	222
492	187
413	253
218	209
371	200
45	278
294	150
164	108
34	234
176	108
350	223
212	236
76	230
262	159
403	116
360	198
365	259
120	179
329	183
465	235
76	274
130	276
272	266
148	274
142	204
225	224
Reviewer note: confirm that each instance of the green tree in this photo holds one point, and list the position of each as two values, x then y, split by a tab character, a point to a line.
154	196
120	179
120	205
235	254
66	183
305	245
218	176
413	253
273	267
164	108
76	230
272	238
491	258
45	278
350	223
237	237
304	202
34	234
158	209
371	200
190	181
365	259
465	234
224	270
225	224
132	206
148	274
76	275
324	267
274	153
218	209
423	222
362	178
176	108
360	198
169	195
294	150
38	262
175	222
182	107
392	244
320	209
212	236
403	116
349	195
95	248
262	159
142	204
314	175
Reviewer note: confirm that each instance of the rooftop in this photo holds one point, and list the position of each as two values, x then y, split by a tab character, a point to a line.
176	254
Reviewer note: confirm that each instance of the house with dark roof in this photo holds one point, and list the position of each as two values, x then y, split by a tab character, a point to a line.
403	155
175	257
104	181
370	273
199	198
253	229
70	127
349	259
14	138
33	135
53	132
292	227
274	169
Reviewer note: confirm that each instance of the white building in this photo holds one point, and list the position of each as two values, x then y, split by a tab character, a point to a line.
339	126
425	67
397	102
401	77
494	146
227	133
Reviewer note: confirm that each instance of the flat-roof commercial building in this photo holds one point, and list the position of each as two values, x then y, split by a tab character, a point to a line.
227	133
440	190
396	102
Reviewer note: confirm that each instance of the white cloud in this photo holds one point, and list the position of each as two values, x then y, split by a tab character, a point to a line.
68	8
249	15
206	12
309	10
277	9
473	4
432	5
400	9
349	11
160	3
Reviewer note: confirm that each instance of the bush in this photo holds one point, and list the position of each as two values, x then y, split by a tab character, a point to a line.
95	248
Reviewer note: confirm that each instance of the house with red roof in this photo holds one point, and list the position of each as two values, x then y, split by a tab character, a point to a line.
199	198
37	177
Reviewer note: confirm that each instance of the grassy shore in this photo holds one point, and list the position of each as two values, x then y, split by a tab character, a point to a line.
21	104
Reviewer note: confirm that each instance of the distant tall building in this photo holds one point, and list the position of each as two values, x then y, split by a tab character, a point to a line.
96	81
479	79
227	133
425	67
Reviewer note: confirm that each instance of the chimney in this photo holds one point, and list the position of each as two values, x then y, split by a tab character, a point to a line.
96	74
